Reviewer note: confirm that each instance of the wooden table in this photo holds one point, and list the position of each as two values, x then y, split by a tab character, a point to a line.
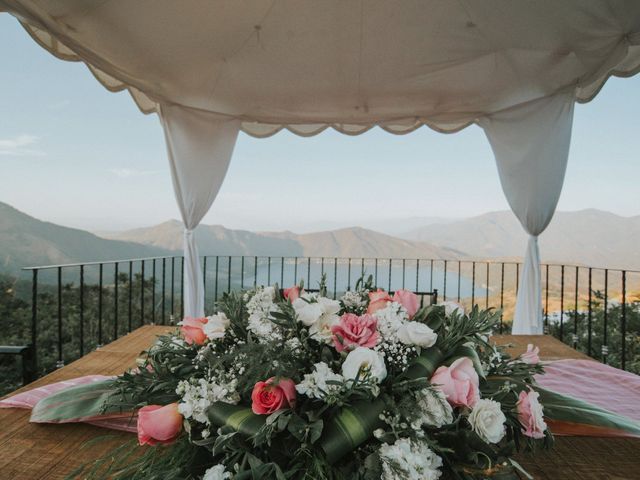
37	451
32	451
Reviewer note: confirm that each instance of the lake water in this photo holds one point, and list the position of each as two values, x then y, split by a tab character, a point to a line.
340	275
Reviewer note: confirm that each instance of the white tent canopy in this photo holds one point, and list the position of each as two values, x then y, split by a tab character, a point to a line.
212	68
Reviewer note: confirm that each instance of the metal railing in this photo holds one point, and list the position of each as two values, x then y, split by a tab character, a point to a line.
79	307
608	295
163	298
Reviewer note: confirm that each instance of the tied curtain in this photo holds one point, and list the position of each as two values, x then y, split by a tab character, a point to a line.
530	143
199	146
531	147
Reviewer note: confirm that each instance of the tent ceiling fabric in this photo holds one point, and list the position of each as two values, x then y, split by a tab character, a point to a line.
306	65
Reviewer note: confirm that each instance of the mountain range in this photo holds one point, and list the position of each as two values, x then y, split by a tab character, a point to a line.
27	241
587	237
344	242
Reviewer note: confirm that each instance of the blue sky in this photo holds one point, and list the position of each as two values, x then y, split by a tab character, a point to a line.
73	153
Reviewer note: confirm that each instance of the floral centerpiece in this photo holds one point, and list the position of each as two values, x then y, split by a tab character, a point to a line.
296	385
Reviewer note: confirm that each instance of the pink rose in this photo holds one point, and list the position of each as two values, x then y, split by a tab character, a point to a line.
530	414
459	382
137	371
377	301
291	293
158	424
355	331
531	355
273	395
191	329
408	300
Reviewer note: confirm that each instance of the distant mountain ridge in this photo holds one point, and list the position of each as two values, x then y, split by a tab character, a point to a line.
590	237
587	237
345	242
27	241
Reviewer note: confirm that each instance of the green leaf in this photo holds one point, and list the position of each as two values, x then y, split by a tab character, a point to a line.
519	468
274	417
254	462
326	355
283	421
297	427
434	316
467	446
221	442
280	315
87	400
372	467
569	409
315	431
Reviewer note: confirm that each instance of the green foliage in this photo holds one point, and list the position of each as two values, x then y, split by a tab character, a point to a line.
233	306
179	461
155	381
15	319
475	327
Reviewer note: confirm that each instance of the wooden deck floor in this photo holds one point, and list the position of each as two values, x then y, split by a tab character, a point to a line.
31	451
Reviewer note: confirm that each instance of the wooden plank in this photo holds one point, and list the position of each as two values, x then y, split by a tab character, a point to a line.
32	451
550	348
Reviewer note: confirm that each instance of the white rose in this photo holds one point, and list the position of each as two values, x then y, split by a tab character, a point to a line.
416	333
452	307
487	420
321	330
307	312
217	472
329	306
215	326
364	358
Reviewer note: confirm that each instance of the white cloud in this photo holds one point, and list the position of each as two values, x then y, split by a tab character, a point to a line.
131	172
20	146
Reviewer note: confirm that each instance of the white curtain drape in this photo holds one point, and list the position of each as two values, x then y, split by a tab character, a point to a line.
531	146
200	145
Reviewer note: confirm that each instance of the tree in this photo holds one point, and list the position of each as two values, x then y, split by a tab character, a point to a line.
607	334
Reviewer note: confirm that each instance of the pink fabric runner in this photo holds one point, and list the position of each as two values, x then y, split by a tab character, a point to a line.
28	399
596	383
601	385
